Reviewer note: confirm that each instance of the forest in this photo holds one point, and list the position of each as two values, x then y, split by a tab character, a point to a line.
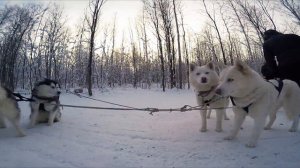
36	43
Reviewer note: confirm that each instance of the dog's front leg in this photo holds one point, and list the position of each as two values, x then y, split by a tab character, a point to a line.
225	115
272	118
259	123
295	124
219	114
203	118
16	123
239	117
34	114
208	113
52	116
2	123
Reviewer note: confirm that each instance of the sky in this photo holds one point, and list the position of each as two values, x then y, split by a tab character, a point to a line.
125	11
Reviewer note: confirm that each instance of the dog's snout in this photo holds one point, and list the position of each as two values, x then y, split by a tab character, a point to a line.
204	80
58	92
218	91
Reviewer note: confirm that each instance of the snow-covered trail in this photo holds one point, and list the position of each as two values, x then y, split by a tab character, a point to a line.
103	138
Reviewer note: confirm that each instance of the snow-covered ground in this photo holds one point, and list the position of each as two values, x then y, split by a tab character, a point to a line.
104	138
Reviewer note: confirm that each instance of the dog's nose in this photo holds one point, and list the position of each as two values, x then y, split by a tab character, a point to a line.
58	92
203	80
218	91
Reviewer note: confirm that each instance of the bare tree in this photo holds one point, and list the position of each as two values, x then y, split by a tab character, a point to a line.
242	26
187	61
20	21
92	21
178	46
263	4
165	9
230	41
293	7
215	26
152	9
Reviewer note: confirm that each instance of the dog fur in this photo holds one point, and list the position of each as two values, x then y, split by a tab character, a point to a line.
248	88
204	79
45	107
9	109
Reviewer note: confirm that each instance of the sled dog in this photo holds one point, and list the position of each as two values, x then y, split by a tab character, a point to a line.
9	109
254	96
45	107
204	79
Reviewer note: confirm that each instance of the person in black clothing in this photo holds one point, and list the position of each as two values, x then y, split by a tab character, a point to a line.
282	55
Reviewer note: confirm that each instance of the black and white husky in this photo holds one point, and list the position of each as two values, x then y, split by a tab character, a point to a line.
9	109
45	107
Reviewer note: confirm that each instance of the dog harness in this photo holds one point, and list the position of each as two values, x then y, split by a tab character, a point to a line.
203	94
278	88
213	99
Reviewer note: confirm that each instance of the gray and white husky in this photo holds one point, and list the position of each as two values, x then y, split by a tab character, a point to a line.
9	109
45	107
205	79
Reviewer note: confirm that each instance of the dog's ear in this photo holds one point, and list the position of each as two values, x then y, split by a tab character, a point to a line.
211	65
192	67
242	67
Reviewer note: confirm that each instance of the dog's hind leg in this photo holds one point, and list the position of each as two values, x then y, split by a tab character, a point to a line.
295	124
2	122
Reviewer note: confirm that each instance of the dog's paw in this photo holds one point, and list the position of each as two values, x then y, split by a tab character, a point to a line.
21	134
218	129
2	126
30	126
226	118
267	128
292	130
203	130
230	137
250	145
208	117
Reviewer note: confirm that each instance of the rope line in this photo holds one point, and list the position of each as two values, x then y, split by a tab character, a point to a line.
128	108
150	110
103	101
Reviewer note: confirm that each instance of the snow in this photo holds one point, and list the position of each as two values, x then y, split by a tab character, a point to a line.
105	138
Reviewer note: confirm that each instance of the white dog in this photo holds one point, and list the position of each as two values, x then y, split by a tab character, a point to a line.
9	109
254	96
45	107
204	79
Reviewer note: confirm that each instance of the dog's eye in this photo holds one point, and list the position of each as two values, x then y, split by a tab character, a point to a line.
52	87
230	80
198	73
206	73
